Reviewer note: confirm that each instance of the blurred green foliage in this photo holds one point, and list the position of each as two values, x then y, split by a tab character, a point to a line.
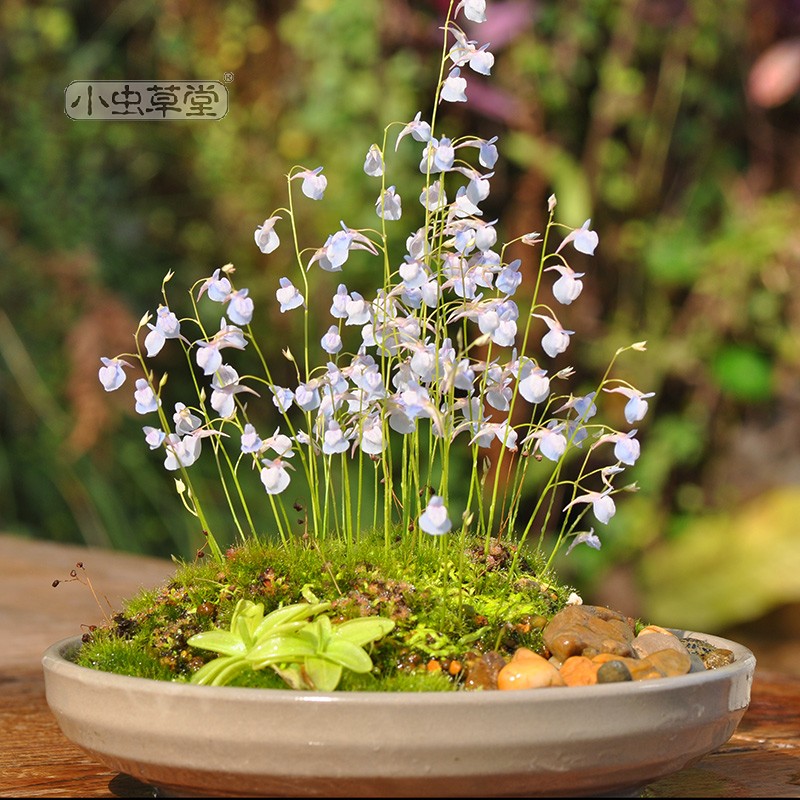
636	114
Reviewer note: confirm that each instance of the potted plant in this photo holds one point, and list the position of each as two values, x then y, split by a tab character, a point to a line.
362	640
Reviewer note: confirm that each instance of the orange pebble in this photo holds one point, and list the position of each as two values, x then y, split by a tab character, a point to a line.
455	667
579	671
528	670
433	665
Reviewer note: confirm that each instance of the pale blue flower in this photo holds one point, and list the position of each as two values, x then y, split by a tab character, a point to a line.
414	273
417	244
485	236
556	340
584	406
534	385
488	153
568	287
185	421
431	292
389	205
306	396
154	437
551	442
474	10
218	288
602	504
240	307
111	374
636	407
433	197
373	164
498	393
167	327
250	440
370	435
419	130
509	278
339	305
584	537
502	431
626	448
282	398
225	385
358	310
274	475
454	87
464	51
583	239
434	519
314	183
333	439
181	451
146	400
266	238
288	296
208	356
280	443
444	154
481	60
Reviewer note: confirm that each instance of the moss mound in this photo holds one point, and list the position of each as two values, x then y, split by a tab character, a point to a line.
450	602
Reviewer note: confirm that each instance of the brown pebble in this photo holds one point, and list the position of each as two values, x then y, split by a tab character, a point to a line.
481	670
587	631
670	663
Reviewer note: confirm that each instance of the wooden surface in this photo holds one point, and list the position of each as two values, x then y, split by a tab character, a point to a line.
762	759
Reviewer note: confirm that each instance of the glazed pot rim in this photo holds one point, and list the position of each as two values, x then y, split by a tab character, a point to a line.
59	658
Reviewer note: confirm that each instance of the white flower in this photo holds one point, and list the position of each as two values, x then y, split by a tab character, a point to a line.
434	519
266	238
274	475
373	164
583	239
288	296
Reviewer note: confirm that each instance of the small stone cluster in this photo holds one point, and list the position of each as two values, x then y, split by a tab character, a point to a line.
587	645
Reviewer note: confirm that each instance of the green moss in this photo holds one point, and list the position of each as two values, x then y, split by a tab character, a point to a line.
447	601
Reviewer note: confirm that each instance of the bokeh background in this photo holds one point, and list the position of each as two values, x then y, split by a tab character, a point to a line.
673	124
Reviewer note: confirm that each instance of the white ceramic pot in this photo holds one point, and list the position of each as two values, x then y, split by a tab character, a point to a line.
577	741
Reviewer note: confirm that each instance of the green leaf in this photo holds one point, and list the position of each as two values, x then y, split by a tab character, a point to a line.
288	614
220	671
348	655
224	642
362	630
282	649
323	674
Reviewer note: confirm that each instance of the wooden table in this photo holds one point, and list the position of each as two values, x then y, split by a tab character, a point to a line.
762	759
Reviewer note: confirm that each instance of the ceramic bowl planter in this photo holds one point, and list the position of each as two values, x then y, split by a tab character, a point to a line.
577	741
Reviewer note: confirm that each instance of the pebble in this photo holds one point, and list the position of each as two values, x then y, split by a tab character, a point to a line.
588	631
613	671
711	656
528	670
653	641
587	645
481	670
579	671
